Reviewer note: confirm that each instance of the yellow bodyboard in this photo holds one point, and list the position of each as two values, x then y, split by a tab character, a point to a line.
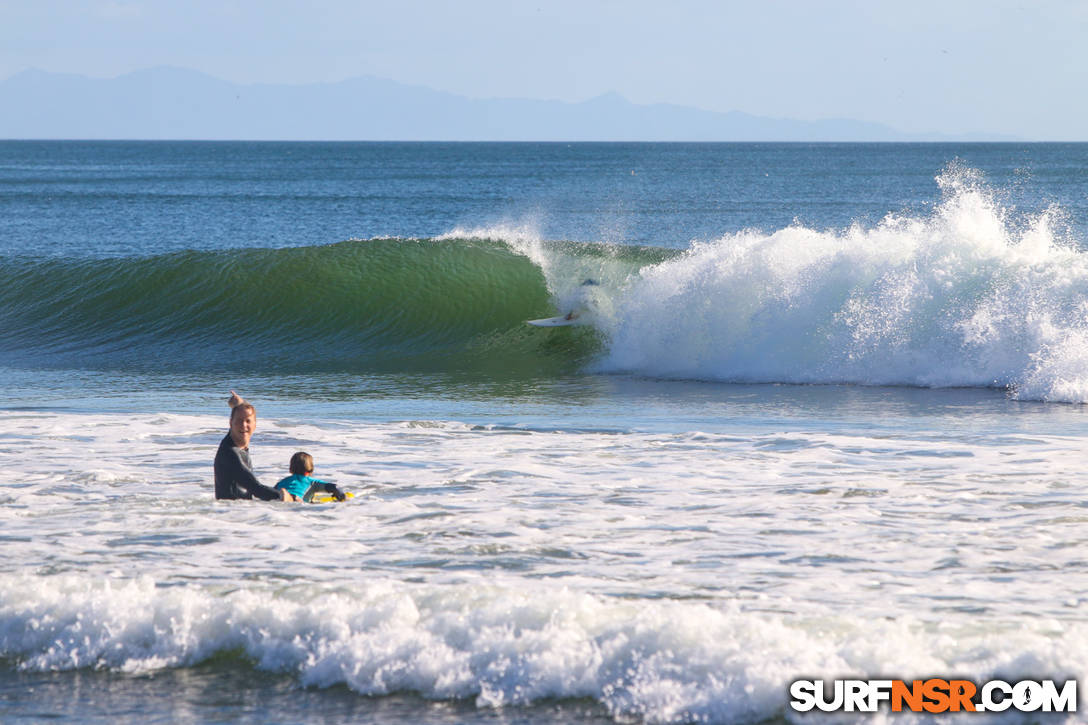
329	498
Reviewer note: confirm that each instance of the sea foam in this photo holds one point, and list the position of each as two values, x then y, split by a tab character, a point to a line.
971	294
666	661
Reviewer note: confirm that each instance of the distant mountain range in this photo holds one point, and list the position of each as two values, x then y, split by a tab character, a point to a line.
170	103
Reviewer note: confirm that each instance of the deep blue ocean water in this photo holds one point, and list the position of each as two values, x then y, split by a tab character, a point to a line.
92	199
824	414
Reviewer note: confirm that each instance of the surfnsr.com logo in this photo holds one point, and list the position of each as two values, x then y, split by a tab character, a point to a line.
934	695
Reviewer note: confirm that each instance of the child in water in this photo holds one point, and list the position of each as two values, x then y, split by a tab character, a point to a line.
300	485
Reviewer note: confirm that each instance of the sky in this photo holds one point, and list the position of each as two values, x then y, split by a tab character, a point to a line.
1014	68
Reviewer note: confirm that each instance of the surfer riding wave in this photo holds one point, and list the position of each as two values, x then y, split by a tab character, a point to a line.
583	305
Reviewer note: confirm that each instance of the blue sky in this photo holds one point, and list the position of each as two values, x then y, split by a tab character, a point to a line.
950	66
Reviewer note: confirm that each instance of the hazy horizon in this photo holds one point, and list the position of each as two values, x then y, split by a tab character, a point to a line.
169	103
967	69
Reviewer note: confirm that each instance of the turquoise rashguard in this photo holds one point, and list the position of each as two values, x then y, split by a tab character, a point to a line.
299	485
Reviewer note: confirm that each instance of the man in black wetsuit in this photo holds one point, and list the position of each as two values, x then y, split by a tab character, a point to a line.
233	470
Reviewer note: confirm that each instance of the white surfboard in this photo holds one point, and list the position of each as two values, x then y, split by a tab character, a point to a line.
554	322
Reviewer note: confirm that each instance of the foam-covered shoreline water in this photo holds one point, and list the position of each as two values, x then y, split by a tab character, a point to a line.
499	646
669	577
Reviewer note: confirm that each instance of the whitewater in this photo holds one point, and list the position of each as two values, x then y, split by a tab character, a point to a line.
669	577
967	295
829	425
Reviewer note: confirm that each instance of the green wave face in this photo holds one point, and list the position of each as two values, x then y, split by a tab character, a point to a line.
357	306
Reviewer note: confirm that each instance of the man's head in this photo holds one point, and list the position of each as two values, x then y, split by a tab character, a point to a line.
243	421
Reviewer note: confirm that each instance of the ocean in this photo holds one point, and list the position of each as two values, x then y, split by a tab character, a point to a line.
822	417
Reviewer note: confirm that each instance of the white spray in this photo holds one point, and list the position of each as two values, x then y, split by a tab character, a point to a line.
963	297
